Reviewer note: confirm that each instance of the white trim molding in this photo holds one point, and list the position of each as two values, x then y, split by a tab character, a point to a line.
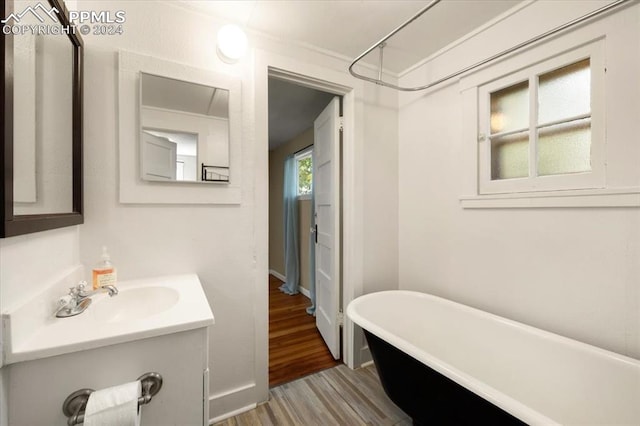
134	190
278	275
223	404
614	156
269	64
624	197
305	292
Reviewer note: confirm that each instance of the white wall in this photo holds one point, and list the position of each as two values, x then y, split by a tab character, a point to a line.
4	382
380	185
4	398
31	263
570	271
216	242
142	240
28	265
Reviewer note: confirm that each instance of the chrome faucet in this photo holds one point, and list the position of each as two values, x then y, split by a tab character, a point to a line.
79	299
111	289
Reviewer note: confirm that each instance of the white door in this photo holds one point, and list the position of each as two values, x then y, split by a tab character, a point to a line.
159	157
326	182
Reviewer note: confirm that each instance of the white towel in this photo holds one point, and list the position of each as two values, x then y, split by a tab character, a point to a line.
114	406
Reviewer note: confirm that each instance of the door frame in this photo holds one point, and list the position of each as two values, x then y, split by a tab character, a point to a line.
338	82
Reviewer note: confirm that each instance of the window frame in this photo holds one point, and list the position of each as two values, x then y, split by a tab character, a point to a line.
594	51
299	156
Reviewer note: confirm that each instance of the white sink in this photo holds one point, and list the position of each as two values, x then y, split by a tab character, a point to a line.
142	308
134	304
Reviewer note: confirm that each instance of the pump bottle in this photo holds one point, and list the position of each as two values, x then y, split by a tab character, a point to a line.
104	273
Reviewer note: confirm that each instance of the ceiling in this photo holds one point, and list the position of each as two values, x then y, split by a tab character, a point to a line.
178	95
292	110
348	28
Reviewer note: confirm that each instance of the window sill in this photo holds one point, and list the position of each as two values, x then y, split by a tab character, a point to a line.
304	197
624	197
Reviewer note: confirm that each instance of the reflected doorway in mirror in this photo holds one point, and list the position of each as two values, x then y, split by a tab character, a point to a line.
183	124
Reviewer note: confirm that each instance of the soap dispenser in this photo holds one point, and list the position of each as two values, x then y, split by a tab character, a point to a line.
104	273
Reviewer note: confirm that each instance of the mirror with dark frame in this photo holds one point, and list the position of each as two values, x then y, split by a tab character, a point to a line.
42	118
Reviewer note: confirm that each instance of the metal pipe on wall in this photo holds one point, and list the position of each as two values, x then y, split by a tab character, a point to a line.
382	43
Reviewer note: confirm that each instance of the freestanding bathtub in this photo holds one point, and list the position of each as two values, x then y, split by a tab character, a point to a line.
446	363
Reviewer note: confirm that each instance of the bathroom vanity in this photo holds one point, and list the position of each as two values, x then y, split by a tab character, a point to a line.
157	324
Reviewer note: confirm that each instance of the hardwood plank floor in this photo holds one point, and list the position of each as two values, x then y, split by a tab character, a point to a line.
296	348
337	396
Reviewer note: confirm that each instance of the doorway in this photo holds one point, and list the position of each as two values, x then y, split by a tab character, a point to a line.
296	347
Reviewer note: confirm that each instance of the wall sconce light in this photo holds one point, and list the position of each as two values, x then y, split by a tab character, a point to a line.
232	43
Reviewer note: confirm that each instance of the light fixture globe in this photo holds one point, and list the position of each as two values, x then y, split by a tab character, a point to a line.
232	43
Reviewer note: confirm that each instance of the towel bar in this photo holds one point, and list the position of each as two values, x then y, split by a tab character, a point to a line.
75	404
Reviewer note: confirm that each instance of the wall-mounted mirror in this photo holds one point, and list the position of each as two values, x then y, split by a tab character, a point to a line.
184	131
41	119
180	132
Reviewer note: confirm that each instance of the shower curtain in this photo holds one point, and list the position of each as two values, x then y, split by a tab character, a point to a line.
291	249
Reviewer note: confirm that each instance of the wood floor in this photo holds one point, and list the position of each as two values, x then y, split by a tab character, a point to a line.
337	396
296	348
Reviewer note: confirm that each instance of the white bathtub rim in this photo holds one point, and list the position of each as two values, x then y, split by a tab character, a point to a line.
505	402
512	323
496	397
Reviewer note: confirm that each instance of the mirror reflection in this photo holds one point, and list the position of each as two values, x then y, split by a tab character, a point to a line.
42	120
184	131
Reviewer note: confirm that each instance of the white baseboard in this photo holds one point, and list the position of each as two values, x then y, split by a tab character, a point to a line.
278	275
365	356
231	402
232	413
282	278
305	292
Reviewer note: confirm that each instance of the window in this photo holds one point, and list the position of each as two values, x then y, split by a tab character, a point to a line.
304	167
541	129
179	170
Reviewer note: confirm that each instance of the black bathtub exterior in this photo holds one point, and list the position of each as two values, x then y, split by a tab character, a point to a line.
427	396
